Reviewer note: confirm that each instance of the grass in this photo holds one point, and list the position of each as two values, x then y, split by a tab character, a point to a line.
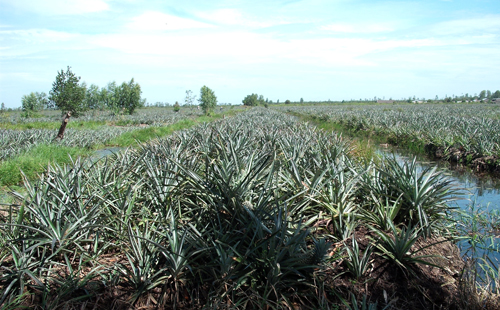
54	125
136	137
36	161
364	143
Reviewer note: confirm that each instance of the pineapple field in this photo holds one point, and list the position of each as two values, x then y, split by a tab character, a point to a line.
254	211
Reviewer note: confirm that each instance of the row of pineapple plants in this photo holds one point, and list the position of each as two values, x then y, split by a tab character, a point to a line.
457	132
15	142
255	211
148	116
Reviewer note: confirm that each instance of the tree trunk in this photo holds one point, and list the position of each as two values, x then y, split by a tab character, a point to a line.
65	121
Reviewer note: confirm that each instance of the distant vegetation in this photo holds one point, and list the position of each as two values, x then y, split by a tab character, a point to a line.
459	132
22	137
69	94
208	100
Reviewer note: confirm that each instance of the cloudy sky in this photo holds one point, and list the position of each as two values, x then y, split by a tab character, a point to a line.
283	49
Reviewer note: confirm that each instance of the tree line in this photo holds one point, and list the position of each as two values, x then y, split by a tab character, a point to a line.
70	95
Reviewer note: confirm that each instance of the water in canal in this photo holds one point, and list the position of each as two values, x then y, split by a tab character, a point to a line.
480	201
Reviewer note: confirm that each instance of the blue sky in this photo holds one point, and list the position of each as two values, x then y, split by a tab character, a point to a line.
311	49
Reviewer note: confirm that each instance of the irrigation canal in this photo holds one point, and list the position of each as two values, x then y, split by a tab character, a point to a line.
480	196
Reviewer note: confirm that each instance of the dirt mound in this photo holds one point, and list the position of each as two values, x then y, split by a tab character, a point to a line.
419	286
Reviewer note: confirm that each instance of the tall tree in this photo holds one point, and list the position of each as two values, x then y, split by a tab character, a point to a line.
92	98
208	100
67	93
251	100
128	96
29	105
261	100
190	97
33	103
482	94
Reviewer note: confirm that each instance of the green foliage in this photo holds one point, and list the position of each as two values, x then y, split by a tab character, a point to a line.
189	100
356	265
208	100
128	96
36	161
142	135
254	100
93	98
67	94
227	213
177	107
251	100
261	100
33	103
396	246
287	101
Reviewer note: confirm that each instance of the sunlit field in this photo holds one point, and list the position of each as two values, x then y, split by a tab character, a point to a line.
254	211
466	133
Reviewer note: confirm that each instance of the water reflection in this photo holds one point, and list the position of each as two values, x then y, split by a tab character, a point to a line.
484	190
480	201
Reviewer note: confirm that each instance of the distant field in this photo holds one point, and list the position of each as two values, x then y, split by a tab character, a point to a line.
467	133
28	144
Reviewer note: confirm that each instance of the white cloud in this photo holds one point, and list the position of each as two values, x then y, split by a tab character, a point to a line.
234	17
20	43
246	47
486	24
157	21
36	35
357	28
59	7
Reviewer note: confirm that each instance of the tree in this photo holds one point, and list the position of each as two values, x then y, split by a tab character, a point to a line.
67	94
482	95
302	100
208	100
33	103
177	107
189	100
93	98
251	100
128	96
43	100
2	108
107	96
261	100
496	94
287	101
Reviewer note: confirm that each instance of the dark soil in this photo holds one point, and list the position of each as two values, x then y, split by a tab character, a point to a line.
417	287
480	164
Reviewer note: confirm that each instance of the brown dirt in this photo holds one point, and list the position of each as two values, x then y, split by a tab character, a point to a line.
419	287
480	164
